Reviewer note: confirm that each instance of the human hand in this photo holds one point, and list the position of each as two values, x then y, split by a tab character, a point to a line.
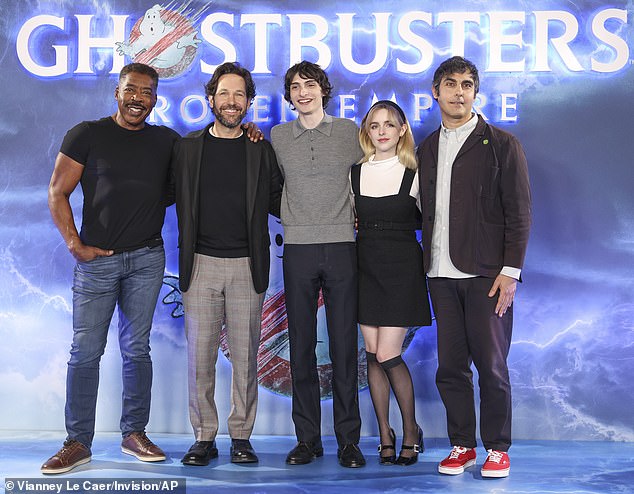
506	285
253	131
84	253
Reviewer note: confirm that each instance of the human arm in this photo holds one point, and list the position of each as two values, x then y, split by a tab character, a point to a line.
515	198
170	181
253	131
516	204
275	186
66	175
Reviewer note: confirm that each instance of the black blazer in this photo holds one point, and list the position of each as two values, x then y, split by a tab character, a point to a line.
490	203
264	190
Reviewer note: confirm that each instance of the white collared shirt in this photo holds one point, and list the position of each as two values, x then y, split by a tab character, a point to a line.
449	143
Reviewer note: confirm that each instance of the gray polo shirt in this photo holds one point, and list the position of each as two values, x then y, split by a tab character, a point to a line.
316	205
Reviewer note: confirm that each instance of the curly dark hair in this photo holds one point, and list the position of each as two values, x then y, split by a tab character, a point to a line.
456	65
140	68
230	68
308	70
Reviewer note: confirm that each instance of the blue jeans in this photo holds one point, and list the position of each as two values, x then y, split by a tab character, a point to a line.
131	280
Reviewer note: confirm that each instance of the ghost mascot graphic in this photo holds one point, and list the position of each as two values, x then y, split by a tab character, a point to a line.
164	39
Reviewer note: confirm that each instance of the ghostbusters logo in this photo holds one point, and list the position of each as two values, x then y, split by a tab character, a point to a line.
164	39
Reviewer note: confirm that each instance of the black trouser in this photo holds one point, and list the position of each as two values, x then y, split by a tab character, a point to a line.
470	331
333	268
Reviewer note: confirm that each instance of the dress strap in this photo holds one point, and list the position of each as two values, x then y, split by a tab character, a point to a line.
406	183
355	178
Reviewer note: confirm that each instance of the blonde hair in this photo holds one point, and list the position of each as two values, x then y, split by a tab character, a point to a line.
405	146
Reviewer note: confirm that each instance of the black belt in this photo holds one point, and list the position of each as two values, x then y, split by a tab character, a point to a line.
388	225
153	242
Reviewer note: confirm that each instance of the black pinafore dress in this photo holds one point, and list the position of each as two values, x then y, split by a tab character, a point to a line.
392	288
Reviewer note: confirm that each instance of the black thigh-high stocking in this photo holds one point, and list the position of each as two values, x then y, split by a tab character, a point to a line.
380	394
401	382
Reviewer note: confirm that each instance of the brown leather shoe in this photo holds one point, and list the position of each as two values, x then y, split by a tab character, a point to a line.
72	454
139	445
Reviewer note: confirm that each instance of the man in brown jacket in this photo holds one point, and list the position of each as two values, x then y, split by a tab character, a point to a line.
476	220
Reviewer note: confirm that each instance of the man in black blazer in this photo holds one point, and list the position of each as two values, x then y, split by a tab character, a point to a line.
476	220
226	186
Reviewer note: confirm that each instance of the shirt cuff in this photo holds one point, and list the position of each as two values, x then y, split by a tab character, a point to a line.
512	272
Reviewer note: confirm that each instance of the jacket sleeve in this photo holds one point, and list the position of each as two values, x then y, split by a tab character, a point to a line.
276	182
516	200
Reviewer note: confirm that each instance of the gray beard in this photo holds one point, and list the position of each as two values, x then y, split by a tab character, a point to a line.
230	124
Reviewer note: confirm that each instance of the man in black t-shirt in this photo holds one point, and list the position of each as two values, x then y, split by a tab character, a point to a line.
122	164
225	188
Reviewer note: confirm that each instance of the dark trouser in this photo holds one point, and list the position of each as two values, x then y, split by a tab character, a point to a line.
470	331
333	268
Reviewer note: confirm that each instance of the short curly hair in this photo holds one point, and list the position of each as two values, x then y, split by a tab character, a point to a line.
308	70
230	68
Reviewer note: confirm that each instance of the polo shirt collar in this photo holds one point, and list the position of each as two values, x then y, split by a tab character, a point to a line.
325	126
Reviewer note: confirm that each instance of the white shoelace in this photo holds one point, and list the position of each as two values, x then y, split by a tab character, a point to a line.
456	452
495	456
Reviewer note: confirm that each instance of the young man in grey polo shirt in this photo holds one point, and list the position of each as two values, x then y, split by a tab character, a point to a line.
315	153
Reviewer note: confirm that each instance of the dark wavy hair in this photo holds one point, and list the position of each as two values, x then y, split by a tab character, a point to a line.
140	68
456	65
308	70
230	68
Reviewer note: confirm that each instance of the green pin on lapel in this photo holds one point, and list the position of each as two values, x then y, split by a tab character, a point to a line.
486	141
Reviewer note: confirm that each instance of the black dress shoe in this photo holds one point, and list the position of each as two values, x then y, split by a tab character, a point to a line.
350	456
242	452
303	453
388	459
200	453
418	448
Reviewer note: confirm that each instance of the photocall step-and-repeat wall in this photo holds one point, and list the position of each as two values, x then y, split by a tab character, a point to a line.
556	74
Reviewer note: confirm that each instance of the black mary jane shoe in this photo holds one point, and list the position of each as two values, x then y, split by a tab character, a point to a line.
390	459
418	448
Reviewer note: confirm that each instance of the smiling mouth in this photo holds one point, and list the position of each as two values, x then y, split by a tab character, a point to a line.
136	109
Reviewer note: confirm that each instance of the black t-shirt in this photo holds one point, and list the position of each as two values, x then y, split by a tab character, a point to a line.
124	182
222	226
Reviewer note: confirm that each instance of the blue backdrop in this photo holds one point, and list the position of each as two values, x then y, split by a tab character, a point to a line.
556	74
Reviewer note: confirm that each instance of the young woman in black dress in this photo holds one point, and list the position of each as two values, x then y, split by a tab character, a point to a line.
392	288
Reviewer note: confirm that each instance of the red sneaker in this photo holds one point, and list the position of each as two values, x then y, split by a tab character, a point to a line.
459	459
496	465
